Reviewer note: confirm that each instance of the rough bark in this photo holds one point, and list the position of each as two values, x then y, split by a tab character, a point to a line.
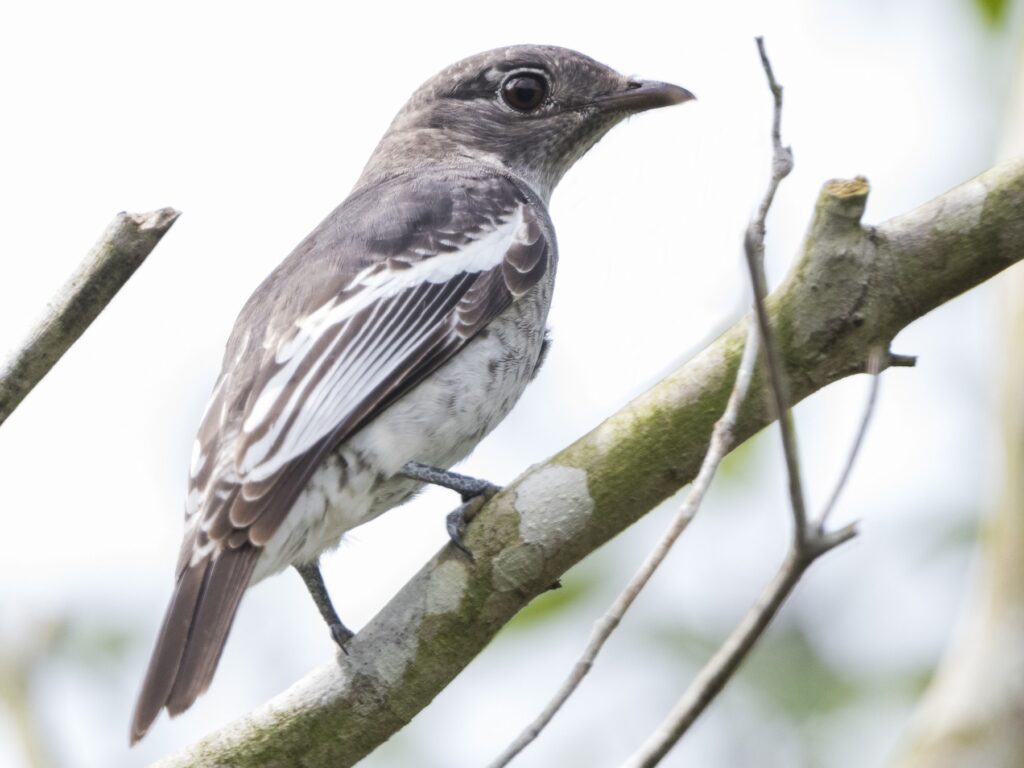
852	288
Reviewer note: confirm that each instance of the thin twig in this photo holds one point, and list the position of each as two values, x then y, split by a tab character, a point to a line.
809	541
782	164
718	670
875	360
722	439
123	247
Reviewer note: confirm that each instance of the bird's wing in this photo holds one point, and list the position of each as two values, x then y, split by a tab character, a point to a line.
423	265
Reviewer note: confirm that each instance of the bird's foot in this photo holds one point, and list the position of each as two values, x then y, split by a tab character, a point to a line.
341	635
474	492
459	517
314	581
465	486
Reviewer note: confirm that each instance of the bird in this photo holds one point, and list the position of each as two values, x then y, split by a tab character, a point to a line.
391	340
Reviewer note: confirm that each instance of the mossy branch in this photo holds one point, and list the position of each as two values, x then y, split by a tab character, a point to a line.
852	289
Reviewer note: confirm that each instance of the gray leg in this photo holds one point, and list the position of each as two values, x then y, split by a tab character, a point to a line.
467	487
475	493
314	581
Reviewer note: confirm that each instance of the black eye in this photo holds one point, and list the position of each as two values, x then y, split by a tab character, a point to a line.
524	92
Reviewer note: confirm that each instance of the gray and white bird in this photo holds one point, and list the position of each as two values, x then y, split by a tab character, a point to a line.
394	337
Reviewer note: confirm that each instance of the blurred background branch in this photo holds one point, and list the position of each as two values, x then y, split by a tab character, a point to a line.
90	645
973	712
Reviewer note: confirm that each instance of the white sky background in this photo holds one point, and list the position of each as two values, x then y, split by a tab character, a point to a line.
255	120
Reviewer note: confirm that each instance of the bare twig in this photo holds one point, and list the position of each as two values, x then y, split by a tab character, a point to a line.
875	360
810	541
782	164
719	669
722	439
123	247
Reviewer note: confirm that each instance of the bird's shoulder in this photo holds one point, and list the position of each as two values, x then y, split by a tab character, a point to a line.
382	228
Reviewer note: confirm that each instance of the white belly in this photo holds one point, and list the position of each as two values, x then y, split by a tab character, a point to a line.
437	423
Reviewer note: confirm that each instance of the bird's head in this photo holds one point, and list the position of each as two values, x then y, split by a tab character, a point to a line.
532	109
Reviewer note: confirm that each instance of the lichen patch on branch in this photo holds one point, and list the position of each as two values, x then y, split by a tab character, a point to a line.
517	568
554	506
448	584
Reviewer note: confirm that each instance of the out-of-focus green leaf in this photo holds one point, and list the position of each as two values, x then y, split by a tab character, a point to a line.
995	12
791	672
90	644
687	643
739	465
787	671
954	534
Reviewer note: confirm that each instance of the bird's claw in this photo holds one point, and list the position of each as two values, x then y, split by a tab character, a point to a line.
342	635
474	492
459	517
484	490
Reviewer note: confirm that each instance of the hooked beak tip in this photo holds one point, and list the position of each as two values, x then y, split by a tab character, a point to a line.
641	95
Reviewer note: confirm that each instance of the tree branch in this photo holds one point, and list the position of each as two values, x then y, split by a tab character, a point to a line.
125	244
851	289
972	711
782	164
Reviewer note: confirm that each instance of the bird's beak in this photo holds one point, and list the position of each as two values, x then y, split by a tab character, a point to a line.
641	95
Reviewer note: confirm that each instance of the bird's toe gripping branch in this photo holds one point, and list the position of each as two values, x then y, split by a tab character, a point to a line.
475	493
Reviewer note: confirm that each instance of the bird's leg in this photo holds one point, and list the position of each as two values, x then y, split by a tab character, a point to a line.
467	487
475	493
314	581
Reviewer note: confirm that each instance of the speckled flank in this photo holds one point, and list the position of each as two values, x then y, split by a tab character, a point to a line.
554	506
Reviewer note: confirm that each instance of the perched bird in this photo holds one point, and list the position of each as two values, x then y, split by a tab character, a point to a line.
393	338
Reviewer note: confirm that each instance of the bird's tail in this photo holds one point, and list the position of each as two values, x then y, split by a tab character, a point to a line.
193	634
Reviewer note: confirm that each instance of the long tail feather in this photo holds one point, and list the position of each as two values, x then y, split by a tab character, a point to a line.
193	634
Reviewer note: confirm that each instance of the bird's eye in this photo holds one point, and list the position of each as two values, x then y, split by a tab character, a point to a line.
524	91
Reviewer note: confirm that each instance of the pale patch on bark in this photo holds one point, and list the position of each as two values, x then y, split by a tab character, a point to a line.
448	584
554	506
517	567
